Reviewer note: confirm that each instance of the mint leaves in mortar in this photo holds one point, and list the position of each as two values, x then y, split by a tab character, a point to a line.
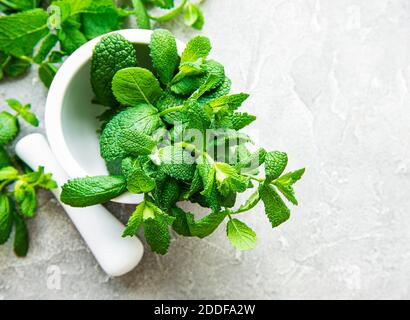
175	134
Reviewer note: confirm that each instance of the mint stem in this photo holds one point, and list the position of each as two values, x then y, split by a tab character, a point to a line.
253	177
170	110
171	14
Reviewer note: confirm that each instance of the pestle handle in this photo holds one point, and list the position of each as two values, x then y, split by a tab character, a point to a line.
98	227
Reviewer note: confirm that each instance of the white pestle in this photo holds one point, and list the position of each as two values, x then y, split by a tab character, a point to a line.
99	228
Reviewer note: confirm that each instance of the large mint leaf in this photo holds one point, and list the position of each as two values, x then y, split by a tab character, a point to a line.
141	15
102	17
197	48
240	235
84	192
164	54
20	32
132	86
111	54
275	208
143	118
156	232
275	164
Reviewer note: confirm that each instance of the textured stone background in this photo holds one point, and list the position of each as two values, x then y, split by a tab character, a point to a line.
330	85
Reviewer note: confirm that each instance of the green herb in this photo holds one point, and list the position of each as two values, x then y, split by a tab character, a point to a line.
83	192
177	139
132	86
18	200
29	33
241	236
165	59
111	54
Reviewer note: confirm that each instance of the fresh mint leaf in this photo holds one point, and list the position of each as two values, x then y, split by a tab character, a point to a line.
222	90
136	143
141	15
169	193
210	191
236	120
111	54
251	162
20	32
207	225
26	198
70	36
229	103
102	18
200	21
275	208
46	46
9	128
275	164
171	100
196	117
143	118
156	232
21	5
250	203
177	163
240	235
196	185
228	180
16	67
83	192
139	182
181	223
8	173
46	73
135	221
132	86
231	137
189	84
21	239
198	47
6	218
286	182
164	54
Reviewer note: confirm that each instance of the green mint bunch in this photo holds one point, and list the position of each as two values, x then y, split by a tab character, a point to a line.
18	184
173	133
44	32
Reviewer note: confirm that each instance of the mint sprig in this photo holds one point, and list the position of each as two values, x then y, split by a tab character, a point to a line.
18	200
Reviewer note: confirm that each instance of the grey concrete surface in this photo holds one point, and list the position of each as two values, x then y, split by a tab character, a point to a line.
330	82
